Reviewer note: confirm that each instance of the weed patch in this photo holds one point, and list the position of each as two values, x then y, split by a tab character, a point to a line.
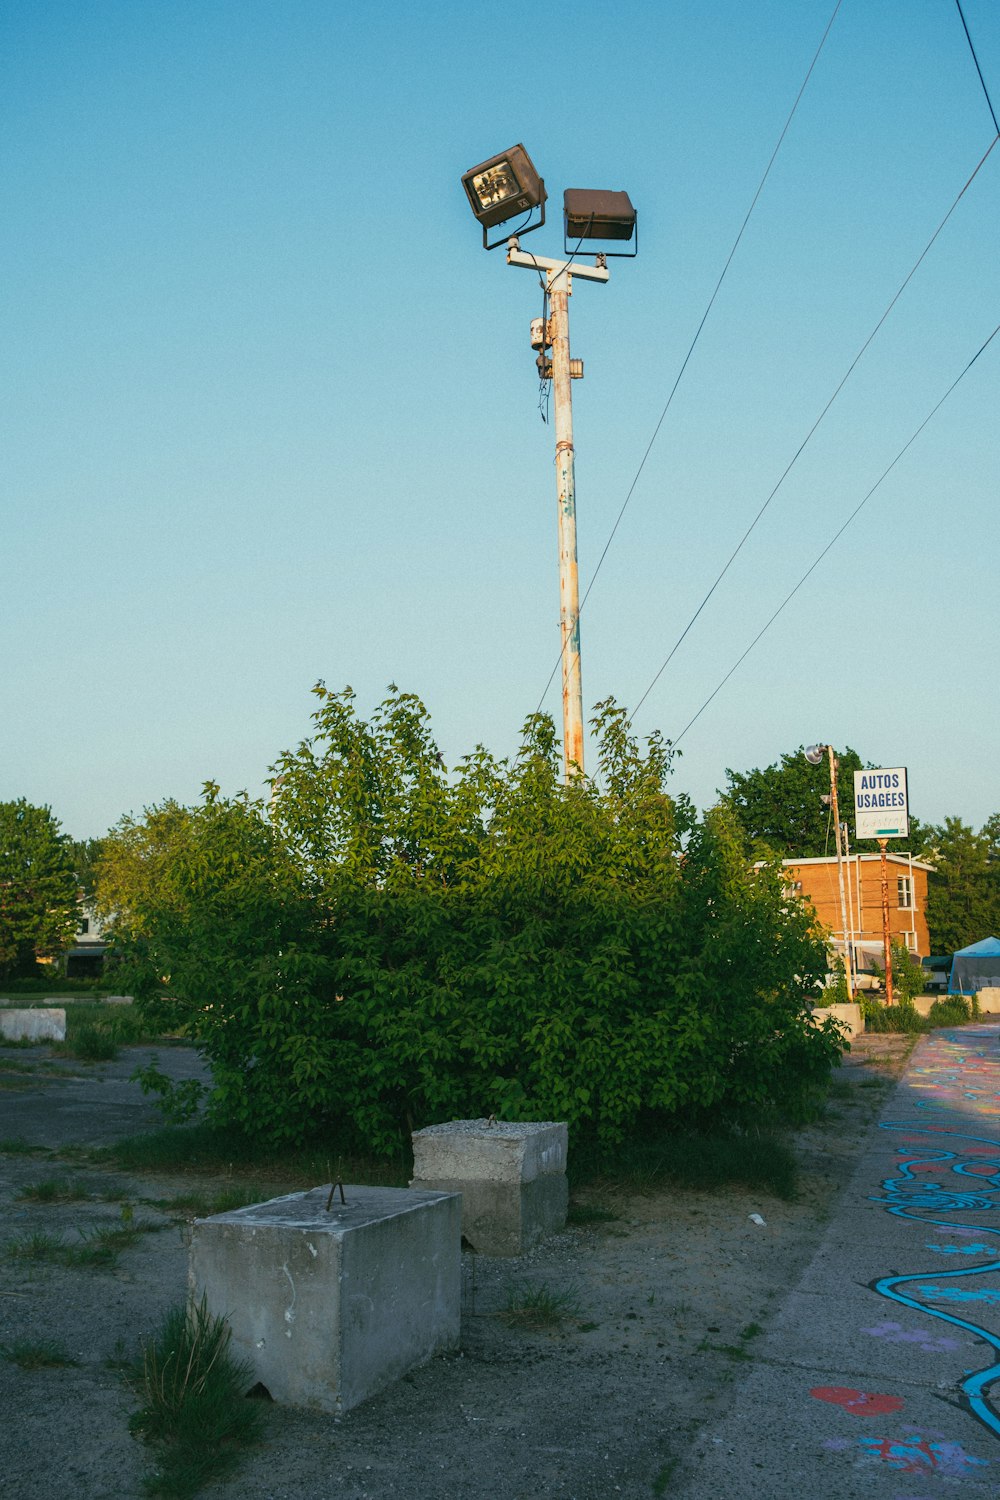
37	1354
194	1409
54	1190
539	1308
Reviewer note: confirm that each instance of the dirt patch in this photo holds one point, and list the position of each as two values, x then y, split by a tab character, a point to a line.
662	1306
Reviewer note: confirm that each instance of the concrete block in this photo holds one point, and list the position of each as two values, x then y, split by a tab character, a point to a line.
33	1025
331	1307
847	1016
512	1177
989	1000
119	1000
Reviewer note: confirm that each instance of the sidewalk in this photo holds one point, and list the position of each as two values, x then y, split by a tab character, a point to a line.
876	1380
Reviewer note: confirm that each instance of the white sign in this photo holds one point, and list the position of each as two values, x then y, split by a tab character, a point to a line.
880	804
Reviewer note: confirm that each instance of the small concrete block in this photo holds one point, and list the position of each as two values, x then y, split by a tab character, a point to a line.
331	1307
848	1017
33	1025
512	1177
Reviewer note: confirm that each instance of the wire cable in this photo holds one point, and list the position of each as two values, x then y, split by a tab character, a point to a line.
833	540
979	70
698	332
812	431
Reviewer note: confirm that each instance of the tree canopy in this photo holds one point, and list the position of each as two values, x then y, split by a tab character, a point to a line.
383	945
963	898
39	907
781	807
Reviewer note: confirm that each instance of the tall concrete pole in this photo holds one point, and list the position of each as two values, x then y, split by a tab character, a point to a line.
560	290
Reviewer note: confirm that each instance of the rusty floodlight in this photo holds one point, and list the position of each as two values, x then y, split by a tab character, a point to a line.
502	188
599	214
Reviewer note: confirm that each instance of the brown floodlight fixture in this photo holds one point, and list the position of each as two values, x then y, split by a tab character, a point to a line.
599	214
502	188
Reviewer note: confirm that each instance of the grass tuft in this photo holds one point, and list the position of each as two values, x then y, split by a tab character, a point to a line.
54	1190
194	1410
37	1354
538	1308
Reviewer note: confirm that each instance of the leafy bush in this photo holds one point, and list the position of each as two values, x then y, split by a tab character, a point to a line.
908	974
53	984
383	947
954	1011
894	1018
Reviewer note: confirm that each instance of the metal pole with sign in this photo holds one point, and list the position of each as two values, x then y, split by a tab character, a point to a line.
882	812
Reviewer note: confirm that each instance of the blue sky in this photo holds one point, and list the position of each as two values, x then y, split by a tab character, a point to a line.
271	412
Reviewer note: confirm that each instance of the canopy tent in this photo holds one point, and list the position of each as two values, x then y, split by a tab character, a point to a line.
975	968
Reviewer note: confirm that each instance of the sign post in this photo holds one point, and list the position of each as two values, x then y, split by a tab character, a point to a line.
881	811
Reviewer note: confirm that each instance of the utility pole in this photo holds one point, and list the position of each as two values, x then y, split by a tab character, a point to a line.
848	964
559	288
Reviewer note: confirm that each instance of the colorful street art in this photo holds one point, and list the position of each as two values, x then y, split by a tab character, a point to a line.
945	1176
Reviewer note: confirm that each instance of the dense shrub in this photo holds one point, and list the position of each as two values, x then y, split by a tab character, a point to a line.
953	1011
384	946
898	1018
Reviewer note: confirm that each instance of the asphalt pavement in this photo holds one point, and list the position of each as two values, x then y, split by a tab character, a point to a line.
881	1377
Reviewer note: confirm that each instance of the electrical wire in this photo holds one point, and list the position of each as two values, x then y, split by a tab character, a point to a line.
833	540
698	332
975	59
812	431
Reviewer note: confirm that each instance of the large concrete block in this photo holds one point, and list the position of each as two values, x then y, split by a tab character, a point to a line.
847	1016
512	1177
331	1307
33	1025
989	1000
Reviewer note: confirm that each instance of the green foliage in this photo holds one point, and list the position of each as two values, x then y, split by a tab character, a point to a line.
908	974
86	857
38	891
194	1408
963	897
891	1018
37	1354
383	946
179	1101
539	1309
954	1011
781	808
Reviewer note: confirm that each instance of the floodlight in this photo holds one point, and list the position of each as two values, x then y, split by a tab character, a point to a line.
598	214
814	754
502	188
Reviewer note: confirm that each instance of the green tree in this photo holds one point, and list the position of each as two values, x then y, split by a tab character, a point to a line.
383	945
963	898
39	907
781	807
86	856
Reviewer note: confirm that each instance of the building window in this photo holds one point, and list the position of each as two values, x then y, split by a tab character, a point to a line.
904	892
84	926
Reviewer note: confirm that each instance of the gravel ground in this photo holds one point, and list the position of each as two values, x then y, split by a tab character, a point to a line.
667	1298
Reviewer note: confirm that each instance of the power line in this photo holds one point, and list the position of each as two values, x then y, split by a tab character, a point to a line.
811	433
697	335
834	539
975	59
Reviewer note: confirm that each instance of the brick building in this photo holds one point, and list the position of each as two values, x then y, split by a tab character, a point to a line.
816	881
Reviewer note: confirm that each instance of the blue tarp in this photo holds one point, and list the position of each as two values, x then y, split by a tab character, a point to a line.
975	968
